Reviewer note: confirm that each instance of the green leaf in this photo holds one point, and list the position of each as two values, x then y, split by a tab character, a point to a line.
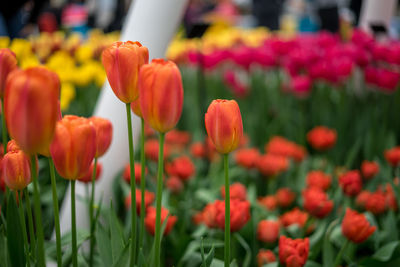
272	264
117	239
385	252
104	246
15	240
209	257
233	263
243	243
123	259
328	251
312	264
195	245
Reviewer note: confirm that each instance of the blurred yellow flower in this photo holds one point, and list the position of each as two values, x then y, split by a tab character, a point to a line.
67	95
4	41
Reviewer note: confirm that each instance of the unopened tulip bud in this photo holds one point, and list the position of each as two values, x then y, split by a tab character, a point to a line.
104	131
31	108
224	125
122	62
161	94
16	170
8	63
73	147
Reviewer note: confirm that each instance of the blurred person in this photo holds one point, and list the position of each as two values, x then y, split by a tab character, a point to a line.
268	12
18	18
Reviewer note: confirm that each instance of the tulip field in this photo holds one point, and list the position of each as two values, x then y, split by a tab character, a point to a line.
256	149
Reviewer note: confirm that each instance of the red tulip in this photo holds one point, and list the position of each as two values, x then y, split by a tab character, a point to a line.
376	203
318	179
161	94
356	227
73	147
321	138
8	63
151	149
87	178
268	231
174	184
236	190
104	131
16	169
239	216
138	173
150	220
369	169
350	182
293	252
247	157
181	167
393	156
272	165
295	216
285	197
31	108
198	150
224	125
362	198
316	202
122	62
269	202
282	147
148	199
264	257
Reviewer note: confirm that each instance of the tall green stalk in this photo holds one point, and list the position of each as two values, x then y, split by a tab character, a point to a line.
227	214
91	213
38	214
32	240
23	224
56	212
157	241
339	256
133	186
73	226
142	185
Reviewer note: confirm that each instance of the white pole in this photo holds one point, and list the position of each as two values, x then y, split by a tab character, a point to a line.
153	23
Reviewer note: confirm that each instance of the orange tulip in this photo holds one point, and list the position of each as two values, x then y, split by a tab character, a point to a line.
8	63
31	108
122	62
224	125
16	169
104	131
161	94
135	106
73	147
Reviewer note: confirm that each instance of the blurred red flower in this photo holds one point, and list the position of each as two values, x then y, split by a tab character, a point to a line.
269	202
240	214
369	169
318	179
181	167
268	231
138	172
264	257
316	202
376	203
247	157
293	252
278	145
150	220
356	227
174	184
393	156
322	138
236	190
350	182
285	197
271	165
148	199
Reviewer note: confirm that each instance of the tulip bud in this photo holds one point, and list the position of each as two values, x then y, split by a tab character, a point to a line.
264	257
31	108
293	252
356	227
224	125
104	131
161	94
150	220
16	170
8	63
135	106
122	62
268	231
73	147
87	178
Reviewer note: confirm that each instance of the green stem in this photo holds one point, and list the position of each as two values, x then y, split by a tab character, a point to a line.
159	200
133	185
23	224
227	214
142	185
38	214
4	129
30	222
56	212
91	213
339	256
73	226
